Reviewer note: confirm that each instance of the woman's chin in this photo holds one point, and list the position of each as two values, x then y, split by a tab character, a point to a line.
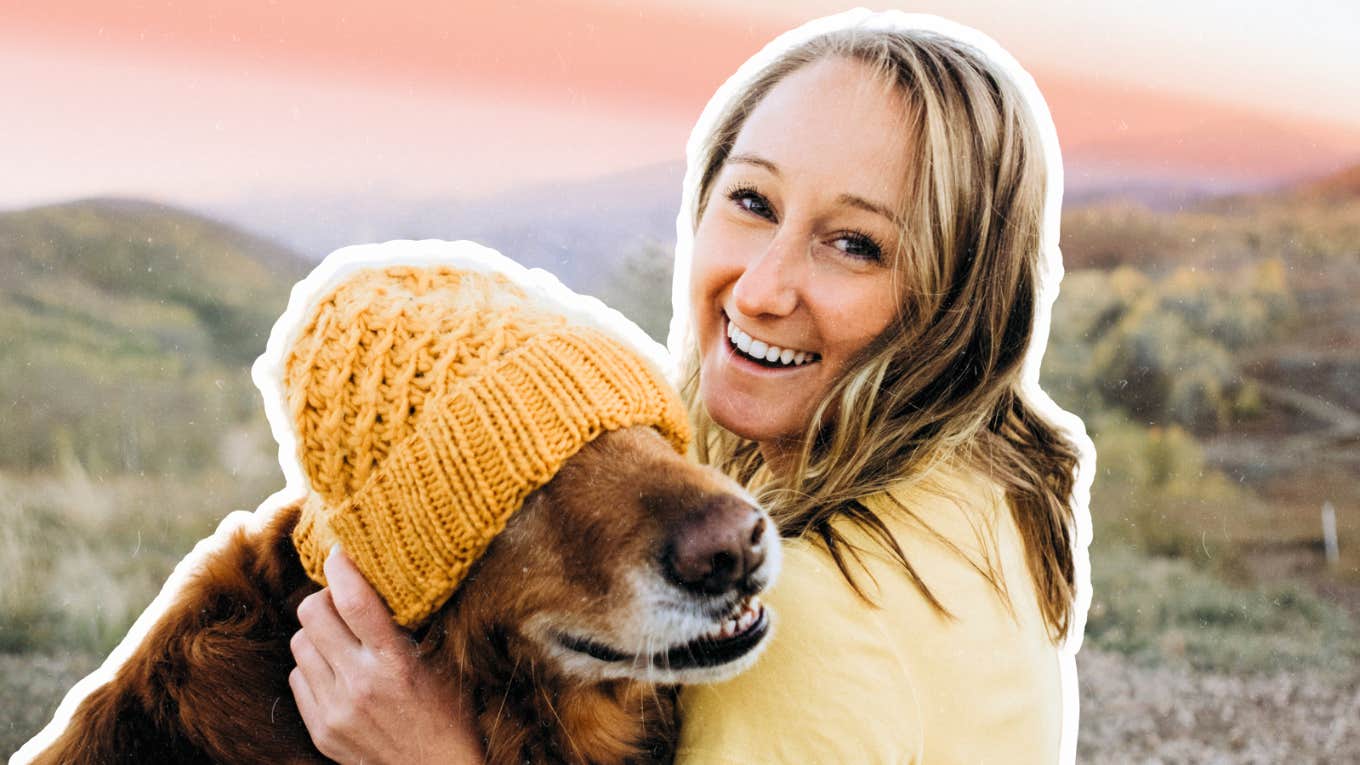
752	420
757	408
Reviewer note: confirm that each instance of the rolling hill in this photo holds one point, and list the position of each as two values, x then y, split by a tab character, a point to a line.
120	316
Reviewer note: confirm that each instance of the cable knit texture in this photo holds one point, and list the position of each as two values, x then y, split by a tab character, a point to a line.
429	402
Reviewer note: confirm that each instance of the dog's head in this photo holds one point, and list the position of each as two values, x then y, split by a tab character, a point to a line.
631	563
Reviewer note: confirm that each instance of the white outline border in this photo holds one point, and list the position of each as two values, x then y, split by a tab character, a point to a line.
1050	275
540	287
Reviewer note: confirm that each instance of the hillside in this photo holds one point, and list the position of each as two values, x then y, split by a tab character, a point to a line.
1313	223
120	316
1341	185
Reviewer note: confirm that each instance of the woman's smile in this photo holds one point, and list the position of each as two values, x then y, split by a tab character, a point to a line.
766	355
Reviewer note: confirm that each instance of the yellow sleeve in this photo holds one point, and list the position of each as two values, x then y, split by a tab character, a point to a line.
829	688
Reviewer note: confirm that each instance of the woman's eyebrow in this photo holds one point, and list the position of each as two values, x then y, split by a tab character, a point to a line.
866	205
752	159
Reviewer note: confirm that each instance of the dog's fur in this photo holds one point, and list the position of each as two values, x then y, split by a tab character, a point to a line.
591	555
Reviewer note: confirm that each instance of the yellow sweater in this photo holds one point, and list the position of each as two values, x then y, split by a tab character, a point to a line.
844	682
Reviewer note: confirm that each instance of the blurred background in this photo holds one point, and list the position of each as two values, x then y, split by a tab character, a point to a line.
169	169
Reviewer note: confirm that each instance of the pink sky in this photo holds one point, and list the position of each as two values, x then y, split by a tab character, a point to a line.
193	101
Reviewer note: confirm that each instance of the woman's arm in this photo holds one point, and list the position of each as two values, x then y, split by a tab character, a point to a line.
363	692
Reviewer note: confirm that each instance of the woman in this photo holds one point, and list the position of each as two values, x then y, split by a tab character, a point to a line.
869	212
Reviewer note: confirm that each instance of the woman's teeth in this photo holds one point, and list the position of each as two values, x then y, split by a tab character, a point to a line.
773	354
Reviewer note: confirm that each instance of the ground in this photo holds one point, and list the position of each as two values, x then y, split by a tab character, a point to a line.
1132	714
1129	713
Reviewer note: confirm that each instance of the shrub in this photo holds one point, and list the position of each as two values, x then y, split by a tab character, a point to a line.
1166	611
1165	350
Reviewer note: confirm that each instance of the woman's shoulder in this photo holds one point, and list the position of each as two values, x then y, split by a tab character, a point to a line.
956	530
987	662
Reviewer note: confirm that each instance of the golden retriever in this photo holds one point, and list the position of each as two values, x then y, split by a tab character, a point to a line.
631	571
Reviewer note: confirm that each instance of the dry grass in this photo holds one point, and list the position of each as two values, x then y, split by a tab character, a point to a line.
31	686
84	556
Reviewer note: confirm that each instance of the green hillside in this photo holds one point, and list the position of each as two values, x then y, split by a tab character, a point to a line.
126	333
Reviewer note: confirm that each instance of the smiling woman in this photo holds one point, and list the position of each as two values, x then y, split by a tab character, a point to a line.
874	228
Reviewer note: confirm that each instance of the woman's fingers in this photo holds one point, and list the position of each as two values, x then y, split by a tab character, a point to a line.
313	684
304	697
365	615
325	629
313	665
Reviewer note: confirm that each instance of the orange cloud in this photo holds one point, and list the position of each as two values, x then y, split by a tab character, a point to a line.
485	94
655	58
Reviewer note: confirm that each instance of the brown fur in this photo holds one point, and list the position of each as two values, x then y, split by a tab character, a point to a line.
209	683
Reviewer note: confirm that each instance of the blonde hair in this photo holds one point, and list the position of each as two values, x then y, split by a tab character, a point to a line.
944	379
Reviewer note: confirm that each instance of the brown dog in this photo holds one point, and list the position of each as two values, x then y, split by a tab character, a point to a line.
631	571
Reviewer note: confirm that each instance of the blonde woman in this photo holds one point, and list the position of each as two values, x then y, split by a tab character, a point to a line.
866	259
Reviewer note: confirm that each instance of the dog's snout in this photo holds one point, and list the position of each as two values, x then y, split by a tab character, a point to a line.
716	549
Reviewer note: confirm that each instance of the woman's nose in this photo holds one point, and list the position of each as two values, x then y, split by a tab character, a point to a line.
768	285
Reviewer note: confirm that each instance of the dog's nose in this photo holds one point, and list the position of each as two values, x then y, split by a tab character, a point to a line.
716	548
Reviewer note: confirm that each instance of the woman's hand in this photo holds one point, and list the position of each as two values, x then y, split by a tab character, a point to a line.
363	692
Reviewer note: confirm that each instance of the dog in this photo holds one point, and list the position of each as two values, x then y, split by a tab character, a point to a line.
631	571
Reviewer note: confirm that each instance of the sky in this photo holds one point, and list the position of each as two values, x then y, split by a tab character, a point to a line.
197	102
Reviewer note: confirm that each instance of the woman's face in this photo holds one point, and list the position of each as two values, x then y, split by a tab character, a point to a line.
795	246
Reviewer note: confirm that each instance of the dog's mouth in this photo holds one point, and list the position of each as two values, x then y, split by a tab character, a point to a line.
730	640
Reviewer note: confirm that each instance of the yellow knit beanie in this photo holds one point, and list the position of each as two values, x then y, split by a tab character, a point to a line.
429	402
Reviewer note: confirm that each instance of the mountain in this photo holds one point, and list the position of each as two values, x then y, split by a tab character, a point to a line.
1339	186
139	252
581	231
126	331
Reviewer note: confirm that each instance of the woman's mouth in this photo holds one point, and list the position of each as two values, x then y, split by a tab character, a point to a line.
766	354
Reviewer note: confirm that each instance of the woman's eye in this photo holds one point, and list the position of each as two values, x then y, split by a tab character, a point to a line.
750	200
858	245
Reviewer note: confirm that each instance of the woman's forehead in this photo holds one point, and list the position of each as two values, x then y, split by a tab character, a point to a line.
834	121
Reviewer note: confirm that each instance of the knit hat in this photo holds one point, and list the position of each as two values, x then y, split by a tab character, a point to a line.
428	402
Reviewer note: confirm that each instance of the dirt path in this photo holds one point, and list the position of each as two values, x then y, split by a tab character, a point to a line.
1133	714
1338	417
1341	425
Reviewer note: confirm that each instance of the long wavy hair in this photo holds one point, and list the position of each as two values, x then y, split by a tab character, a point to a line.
943	381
